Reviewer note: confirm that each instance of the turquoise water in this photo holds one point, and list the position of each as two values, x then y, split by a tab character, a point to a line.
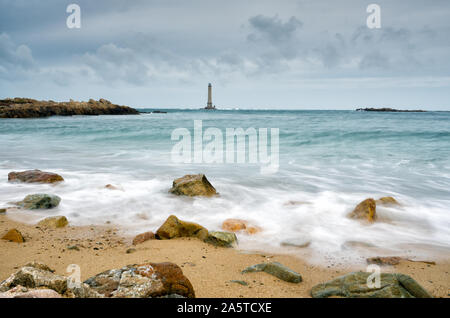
328	160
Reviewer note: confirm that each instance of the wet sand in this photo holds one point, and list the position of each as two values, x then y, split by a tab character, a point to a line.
210	269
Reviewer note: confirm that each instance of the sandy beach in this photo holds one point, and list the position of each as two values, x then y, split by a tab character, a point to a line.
210	269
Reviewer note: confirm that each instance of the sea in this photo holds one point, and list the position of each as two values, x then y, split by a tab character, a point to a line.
327	162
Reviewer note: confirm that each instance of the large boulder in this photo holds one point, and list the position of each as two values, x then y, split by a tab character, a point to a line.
54	222
354	285
237	225
39	276
34	176
193	185
143	281
366	210
173	228
13	235
276	269
39	201
223	239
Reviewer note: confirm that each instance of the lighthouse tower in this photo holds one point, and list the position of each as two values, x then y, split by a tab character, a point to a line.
209	105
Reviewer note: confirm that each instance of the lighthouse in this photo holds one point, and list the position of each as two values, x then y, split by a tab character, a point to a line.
209	104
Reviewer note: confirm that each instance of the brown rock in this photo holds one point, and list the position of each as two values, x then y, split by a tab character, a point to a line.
366	210
13	235
2	211
141	238
112	187
173	227
236	225
391	260
193	185
387	201
35	176
54	222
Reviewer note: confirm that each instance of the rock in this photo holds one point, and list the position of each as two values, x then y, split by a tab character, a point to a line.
13	235
240	282
141	238
355	285
193	185
173	227
39	276
356	245
130	250
39	201
391	260
223	239
54	222
73	248
23	292
299	242
387	201
276	269
112	187
143	281
2	211
236	225
30	108
366	210
35	176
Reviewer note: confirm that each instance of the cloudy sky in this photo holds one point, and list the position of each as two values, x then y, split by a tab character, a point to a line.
308	54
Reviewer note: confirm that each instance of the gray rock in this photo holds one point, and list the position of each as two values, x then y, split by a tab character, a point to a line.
276	269
299	242
354	285
39	201
223	239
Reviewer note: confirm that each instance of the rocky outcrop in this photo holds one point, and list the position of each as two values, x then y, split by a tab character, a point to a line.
387	201
143	281
39	201
40	276
276	269
193	185
389	260
29	108
222	239
387	109
366	210
355	285
141	238
13	235
236	225
54	222
173	228
34	176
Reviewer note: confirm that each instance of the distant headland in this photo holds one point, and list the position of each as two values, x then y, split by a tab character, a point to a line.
385	109
31	108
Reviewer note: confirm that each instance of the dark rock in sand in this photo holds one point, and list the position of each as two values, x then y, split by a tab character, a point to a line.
366	210
354	285
141	238
143	281
29	108
193	185
379	260
2	211
39	201
173	228
35	176
223	239
276	269
13	235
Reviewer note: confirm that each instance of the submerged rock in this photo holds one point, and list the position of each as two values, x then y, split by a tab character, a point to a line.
39	201
379	260
355	285
13	235
387	201
173	228
35	176
276	269
223	239
193	185
143	281
366	210
54	222
236	225
299	242
141	238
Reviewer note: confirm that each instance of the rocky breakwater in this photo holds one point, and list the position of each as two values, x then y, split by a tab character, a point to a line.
31	108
